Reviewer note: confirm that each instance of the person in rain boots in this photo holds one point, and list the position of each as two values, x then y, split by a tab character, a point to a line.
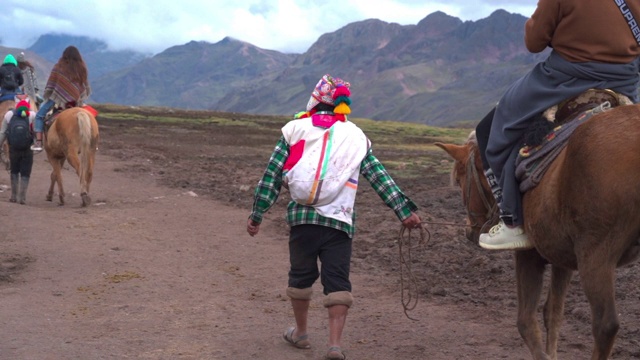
16	129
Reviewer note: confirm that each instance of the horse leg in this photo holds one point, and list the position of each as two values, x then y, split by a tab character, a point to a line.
530	267
91	161
85	179
598	282
58	170
53	183
554	307
74	161
88	176
55	176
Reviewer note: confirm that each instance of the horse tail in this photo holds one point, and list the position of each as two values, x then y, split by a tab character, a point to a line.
86	144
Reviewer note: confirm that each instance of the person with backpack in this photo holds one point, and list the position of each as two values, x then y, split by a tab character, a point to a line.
10	78
319	158
67	86
16	129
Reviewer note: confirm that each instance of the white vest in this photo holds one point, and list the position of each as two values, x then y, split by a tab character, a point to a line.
326	175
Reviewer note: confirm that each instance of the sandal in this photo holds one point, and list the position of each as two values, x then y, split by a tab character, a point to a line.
301	342
335	353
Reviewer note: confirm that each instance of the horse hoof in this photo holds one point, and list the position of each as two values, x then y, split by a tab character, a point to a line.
49	198
86	200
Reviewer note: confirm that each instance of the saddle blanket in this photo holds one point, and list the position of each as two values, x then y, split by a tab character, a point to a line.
533	162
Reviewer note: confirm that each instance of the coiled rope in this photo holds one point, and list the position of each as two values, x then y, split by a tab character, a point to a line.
409	287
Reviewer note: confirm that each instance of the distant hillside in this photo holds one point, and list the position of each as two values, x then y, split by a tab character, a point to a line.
193	76
441	71
100	60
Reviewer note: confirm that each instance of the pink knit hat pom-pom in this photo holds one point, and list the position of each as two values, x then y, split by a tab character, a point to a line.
341	90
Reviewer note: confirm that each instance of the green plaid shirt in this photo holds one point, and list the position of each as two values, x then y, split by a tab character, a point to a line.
268	189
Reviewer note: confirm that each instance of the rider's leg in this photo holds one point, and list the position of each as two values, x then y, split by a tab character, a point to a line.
39	124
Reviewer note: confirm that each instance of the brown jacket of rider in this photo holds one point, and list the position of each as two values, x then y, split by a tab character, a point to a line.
584	30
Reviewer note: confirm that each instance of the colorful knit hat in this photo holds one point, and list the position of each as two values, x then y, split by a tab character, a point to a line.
9	59
22	108
331	91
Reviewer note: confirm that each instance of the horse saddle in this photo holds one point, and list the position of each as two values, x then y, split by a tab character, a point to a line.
570	108
533	161
53	115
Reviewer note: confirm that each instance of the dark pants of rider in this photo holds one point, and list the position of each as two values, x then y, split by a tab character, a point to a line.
21	162
307	244
483	129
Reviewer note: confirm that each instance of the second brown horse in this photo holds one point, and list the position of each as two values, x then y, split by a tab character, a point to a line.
72	137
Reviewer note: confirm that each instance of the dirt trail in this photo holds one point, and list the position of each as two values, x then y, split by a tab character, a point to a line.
155	272
149	272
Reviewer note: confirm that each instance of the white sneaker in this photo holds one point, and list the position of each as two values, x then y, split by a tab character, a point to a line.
37	146
502	237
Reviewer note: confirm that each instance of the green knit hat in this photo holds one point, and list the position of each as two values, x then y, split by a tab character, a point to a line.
9	59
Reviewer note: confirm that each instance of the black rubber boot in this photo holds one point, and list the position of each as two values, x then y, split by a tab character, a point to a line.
14	187
24	184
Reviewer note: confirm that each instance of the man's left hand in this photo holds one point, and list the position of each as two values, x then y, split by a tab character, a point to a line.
252	227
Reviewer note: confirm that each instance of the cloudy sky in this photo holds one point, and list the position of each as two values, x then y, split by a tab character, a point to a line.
284	25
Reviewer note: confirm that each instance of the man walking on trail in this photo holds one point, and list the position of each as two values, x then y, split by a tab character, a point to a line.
319	158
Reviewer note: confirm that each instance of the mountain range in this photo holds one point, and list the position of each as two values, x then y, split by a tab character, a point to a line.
441	71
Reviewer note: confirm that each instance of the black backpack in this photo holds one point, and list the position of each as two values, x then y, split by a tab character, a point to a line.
19	133
9	80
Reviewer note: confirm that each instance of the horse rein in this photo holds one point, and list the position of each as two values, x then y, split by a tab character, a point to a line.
472	175
409	288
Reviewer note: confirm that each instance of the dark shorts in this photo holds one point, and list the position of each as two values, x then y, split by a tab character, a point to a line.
310	243
21	162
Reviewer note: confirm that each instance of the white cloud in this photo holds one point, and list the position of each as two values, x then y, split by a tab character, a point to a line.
283	25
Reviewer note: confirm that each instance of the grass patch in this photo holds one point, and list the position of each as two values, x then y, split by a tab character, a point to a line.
406	149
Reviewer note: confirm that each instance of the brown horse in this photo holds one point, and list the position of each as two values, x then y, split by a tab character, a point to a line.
584	215
73	136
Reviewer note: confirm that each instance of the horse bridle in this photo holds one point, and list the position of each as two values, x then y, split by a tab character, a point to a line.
491	210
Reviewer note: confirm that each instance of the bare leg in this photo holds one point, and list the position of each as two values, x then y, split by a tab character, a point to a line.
300	312
337	320
337	304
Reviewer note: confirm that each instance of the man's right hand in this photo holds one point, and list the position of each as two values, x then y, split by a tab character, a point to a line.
412	222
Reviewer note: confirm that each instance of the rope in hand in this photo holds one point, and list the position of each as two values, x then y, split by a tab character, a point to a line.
410	301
